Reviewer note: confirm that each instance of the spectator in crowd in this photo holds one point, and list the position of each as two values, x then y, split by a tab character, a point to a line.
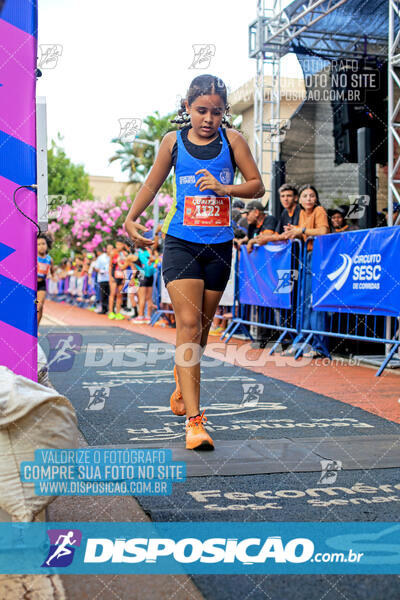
147	257
313	221
116	278
238	204
288	196
102	266
94	278
290	215
133	264
77	264
239	220
258	221
396	213
159	238
381	219
63	269
338	220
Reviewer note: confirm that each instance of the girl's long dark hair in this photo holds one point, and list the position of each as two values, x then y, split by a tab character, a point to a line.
203	85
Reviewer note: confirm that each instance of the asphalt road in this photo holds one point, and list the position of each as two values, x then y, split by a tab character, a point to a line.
120	383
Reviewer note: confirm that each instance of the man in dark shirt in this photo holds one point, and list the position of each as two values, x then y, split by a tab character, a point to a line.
288	196
258	222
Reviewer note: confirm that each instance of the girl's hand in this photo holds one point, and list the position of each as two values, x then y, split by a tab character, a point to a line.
208	182
132	228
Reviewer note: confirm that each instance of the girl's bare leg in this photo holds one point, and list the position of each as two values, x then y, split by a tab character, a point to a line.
40	303
211	300
187	300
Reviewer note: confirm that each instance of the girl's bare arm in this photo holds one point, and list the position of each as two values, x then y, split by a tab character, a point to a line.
253	186
158	174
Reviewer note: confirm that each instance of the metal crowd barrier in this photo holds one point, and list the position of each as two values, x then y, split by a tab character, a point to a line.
353	326
285	320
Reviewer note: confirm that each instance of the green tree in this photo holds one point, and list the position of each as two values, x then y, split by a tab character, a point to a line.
64	177
137	159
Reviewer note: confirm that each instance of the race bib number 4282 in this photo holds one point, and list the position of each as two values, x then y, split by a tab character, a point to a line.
207	211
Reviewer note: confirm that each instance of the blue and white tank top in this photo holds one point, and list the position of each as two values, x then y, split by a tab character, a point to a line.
43	266
191	208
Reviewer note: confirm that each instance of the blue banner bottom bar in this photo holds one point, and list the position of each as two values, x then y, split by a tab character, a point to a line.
200	548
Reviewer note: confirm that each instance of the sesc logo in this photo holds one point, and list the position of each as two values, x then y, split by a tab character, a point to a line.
366	271
340	275
190	550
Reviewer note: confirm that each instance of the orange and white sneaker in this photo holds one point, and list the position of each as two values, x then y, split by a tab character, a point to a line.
197	437
176	400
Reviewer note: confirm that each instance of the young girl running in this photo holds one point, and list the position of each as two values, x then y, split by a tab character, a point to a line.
44	267
198	242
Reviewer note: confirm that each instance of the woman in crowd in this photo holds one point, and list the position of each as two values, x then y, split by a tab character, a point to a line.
116	278
313	221
147	257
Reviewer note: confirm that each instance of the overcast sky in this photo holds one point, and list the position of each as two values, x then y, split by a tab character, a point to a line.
129	58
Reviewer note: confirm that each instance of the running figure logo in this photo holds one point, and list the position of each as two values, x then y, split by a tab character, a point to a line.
251	393
358	206
203	54
62	547
98	396
62	350
330	470
286	280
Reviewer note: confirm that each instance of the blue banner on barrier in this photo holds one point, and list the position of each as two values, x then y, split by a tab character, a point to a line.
357	272
202	547
265	275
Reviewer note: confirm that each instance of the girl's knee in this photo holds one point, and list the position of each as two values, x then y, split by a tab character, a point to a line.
190	326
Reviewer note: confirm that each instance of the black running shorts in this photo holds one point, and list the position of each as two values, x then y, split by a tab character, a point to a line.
147	281
191	260
41	285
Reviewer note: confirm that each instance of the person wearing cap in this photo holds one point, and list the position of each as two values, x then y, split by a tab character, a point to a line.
239	222
238	204
396	213
337	217
258	222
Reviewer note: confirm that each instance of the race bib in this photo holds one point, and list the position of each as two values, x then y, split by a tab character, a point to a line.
207	211
118	274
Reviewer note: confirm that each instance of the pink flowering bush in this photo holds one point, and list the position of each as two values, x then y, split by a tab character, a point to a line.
90	223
